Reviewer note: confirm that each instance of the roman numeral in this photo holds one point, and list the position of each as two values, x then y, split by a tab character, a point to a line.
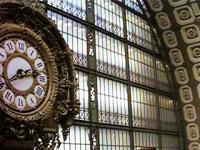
39	91
21	46
32	53
2	83
2	55
42	79
10	47
39	64
20	102
8	96
32	101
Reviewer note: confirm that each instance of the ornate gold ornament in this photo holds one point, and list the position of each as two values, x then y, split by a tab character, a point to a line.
37	83
35	101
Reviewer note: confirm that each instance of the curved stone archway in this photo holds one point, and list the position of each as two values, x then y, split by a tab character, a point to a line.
177	24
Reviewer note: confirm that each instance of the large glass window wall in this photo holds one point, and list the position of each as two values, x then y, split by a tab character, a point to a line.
132	112
167	113
170	142
162	81
134	5
78	139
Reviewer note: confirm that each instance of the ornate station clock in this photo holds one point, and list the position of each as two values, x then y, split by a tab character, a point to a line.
37	84
28	74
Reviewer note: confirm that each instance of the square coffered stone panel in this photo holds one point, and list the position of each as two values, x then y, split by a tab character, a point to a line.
194	146
156	5
170	39
196	71
194	52
163	21
186	94
192	132
190	33
181	75
176	57
189	113
184	15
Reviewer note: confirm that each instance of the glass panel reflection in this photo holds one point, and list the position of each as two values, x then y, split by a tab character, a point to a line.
112	102
144	108
114	139
110	54
145	140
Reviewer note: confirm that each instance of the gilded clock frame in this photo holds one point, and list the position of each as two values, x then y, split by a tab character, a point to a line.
44	109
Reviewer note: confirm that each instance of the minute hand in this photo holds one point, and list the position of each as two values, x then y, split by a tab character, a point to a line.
21	75
26	73
15	77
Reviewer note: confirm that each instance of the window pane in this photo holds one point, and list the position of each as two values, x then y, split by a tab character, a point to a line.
112	102
78	139
170	142
162	80
138	31
82	95
144	109
144	140
114	139
74	7
141	67
110	54
75	36
167	113
108	16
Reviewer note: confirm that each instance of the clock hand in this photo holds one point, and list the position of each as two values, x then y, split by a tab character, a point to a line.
13	77
10	80
17	75
29	73
35	73
21	74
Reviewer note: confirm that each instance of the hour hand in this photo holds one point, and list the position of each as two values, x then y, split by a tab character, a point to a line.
19	74
14	77
24	73
33	73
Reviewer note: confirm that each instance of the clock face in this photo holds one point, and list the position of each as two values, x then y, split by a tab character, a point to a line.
28	75
23	75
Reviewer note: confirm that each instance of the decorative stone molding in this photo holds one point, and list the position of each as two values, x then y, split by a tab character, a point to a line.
176	57
184	15
181	75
